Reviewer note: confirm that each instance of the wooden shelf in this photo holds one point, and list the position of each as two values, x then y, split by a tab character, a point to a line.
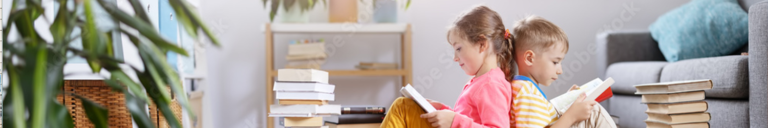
338	28
360	72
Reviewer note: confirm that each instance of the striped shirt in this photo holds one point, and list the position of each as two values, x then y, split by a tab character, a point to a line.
530	106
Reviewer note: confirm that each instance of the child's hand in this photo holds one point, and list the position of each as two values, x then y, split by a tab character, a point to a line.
440	118
435	104
574	87
581	109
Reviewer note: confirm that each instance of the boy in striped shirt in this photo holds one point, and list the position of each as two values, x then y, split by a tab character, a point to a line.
540	46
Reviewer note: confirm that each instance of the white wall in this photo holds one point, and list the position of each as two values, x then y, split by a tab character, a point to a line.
235	92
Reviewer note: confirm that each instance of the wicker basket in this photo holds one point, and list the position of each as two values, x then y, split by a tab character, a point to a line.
99	92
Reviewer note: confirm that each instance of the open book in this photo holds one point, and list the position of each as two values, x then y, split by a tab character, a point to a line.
596	89
411	92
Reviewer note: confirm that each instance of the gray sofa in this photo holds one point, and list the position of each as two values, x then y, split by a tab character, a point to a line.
739	97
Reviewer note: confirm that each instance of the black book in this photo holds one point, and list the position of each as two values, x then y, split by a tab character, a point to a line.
363	110
356	118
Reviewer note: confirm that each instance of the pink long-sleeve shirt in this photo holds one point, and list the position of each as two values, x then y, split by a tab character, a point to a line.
485	102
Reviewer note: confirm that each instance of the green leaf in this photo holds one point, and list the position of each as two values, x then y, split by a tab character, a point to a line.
15	108
287	4
304	5
182	17
195	19
135	106
273	10
95	112
91	37
59	27
58	116
139	11
135	88
39	89
144	29
158	96
407	4
137	109
161	70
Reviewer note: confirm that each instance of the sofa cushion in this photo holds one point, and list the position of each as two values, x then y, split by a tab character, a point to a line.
725	113
701	28
628	74
729	74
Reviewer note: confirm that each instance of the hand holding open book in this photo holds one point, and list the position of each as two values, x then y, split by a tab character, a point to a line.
597	90
582	108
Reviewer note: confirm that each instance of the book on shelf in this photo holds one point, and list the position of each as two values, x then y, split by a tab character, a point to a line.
306	57
677	108
294	115
651	124
679	118
364	125
596	89
303	87
303	121
674	87
363	110
306	48
304	66
410	92
310	63
376	66
304	96
302	75
356	118
673	97
291	102
327	109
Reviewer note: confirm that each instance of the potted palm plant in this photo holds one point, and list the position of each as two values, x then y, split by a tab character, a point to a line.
294	11
35	65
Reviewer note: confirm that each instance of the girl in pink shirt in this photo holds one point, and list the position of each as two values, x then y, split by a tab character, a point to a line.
481	43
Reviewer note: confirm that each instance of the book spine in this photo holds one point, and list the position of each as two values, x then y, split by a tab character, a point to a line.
363	110
360	118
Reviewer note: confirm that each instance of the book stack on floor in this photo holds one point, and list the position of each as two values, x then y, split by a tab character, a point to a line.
303	96
306	54
676	104
376	66
358	117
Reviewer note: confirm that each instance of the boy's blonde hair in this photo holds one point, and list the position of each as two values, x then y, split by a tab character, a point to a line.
537	34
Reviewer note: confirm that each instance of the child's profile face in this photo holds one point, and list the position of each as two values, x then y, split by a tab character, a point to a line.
466	53
546	66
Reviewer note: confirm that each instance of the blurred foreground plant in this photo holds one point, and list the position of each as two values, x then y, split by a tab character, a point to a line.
35	66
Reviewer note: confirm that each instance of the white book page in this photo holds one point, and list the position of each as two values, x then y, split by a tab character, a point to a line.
411	92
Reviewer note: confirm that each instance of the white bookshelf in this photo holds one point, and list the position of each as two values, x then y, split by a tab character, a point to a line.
336	28
402	29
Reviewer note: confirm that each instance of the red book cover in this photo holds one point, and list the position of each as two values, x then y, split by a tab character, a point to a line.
605	95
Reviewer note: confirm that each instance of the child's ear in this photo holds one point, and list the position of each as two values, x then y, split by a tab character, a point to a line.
483	43
528	57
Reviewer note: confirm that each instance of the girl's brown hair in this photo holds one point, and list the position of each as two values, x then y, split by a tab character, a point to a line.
483	24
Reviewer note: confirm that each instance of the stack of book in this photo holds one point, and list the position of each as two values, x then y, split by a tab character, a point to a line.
306	54
376	66
303	96
677	104
358	117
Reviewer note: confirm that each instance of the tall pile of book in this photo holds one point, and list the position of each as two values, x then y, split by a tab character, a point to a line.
677	104
358	117
306	54
303	96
